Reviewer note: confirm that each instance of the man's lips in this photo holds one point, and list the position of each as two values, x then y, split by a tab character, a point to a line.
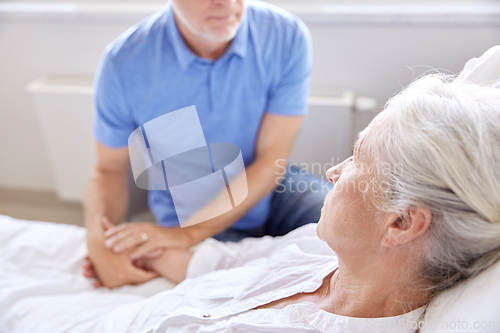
222	17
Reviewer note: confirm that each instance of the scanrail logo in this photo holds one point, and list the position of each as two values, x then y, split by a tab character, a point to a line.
170	153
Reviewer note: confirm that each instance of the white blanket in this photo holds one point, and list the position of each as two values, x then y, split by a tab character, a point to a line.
27	249
41	276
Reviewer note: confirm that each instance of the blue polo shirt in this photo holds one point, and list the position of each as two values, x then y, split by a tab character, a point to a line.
149	71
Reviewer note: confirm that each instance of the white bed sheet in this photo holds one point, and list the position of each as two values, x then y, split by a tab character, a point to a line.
27	249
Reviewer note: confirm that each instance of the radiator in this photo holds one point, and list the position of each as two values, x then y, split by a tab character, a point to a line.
64	107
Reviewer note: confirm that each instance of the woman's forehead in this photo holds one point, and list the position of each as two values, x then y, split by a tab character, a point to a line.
359	143
375	133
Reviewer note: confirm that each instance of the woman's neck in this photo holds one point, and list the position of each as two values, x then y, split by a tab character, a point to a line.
372	293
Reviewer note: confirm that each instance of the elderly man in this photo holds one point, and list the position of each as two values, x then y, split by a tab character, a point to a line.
246	68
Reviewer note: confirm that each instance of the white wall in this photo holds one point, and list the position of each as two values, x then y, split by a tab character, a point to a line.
370	55
378	60
30	49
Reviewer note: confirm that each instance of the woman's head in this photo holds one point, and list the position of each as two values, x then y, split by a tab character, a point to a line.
436	148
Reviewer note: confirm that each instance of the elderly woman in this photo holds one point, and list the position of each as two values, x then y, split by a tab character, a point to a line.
413	212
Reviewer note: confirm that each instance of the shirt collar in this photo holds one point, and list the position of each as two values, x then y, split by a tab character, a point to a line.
185	56
328	322
239	43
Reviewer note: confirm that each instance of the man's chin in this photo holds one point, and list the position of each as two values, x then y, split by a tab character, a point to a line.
220	37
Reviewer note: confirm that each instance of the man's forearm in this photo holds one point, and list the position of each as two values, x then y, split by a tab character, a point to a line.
262	179
107	196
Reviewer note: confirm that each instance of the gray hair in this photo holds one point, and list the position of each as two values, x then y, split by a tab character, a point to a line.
446	136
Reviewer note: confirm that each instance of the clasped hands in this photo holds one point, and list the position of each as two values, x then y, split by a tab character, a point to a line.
136	253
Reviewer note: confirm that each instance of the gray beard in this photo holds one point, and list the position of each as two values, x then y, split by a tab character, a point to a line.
207	35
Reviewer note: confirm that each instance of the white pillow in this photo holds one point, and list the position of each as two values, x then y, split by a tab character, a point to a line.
472	306
484	70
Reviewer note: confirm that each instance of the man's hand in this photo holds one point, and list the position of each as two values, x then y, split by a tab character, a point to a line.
145	239
112	270
89	272
116	271
172	264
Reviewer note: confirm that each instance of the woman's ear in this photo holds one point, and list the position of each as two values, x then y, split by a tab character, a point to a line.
402	229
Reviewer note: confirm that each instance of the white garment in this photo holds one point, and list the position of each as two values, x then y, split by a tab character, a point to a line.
225	281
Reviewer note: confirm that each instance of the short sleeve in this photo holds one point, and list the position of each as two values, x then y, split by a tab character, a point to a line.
289	96
112	122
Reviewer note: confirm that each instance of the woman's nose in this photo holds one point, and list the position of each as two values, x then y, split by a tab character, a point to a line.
333	174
